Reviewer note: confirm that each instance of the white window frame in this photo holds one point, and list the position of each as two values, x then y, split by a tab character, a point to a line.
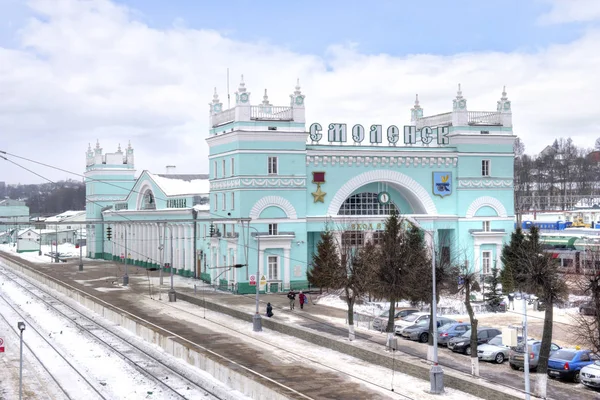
224	167
216	169
273	267
233	200
486	262
487	226
273	165
232	166
486	167
224	204
273	229
216	206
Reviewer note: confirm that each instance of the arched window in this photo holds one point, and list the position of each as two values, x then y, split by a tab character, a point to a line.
365	204
149	203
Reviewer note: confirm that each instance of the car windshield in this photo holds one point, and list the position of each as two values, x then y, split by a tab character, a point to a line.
566	355
446	326
410	318
423	322
385	314
467	333
497	341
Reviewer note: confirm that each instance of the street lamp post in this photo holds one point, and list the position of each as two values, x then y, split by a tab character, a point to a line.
436	374
256	319
126	258
21	326
80	249
172	293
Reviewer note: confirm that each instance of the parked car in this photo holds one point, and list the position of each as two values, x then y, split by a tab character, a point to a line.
448	331
493	350
516	355
462	344
567	363
590	375
380	323
587	308
410	320
420	330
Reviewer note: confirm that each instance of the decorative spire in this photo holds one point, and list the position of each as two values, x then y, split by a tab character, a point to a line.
297	92
242	87
265	101
215	97
97	144
504	98
459	93
119	148
417	106
89	147
129	144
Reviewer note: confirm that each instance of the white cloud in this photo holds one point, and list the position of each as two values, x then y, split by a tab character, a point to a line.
90	70
564	11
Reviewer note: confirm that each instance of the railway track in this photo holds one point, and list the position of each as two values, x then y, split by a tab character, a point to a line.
171	381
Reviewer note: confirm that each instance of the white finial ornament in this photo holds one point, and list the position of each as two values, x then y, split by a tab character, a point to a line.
215	97
89	146
119	148
417	102
266	99
459	93
297	92
129	144
97	144
504	98
242	87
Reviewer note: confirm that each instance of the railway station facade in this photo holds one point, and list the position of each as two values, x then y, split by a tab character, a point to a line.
276	182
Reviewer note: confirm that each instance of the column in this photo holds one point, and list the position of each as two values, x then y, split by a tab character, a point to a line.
286	267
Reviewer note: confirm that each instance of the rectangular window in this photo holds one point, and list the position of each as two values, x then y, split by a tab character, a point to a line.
224	201
273	267
377	238
486	262
272	229
485	167
232	200
232	167
224	168
353	238
205	231
216	202
272	165
486	226
215	170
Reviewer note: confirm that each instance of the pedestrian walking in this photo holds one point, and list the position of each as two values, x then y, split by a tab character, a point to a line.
292	296
302	298
269	310
511	300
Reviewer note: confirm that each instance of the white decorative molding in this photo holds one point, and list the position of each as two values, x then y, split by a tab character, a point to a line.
421	161
415	194
259	182
276	201
489	202
478	183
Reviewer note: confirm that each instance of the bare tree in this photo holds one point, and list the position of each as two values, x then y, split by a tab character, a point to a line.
587	327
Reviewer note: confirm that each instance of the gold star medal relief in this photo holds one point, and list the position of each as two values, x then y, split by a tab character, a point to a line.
319	195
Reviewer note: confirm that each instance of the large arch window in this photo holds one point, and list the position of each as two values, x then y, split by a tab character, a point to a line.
148	201
366	204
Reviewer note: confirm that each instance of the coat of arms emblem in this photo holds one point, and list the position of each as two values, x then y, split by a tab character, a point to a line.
442	183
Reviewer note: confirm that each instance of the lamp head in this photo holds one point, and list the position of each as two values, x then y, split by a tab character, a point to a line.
21	326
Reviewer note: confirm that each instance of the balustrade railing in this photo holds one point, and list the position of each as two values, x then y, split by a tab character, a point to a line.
272	113
223	117
484	118
435	120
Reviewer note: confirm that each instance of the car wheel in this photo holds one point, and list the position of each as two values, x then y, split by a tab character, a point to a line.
499	358
424	337
468	350
576	377
513	366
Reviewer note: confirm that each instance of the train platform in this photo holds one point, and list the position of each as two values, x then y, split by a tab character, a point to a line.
193	317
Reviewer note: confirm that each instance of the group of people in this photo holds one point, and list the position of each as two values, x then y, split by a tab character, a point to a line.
292	297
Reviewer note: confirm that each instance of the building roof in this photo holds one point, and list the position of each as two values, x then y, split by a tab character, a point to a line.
64	215
11	203
181	184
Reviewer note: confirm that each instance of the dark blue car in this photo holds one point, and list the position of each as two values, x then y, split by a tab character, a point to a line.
567	363
448	331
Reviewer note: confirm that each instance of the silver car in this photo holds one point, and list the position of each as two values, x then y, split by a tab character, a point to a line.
590	375
493	350
380	323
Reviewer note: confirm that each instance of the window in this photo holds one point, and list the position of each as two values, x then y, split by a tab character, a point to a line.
377	238
273	264
486	226
366	204
215	170
272	166
224	168
272	229
487	261
232	167
353	238
485	167
232	198
204	230
216	202
224	201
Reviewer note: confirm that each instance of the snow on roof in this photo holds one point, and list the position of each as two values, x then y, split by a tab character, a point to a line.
22	231
180	184
61	216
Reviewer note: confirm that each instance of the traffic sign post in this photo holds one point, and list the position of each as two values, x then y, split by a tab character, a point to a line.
1	345
252	280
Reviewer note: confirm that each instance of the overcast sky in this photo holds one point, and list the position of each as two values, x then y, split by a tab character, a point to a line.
75	71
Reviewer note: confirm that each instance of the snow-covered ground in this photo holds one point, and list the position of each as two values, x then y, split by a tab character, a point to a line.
66	250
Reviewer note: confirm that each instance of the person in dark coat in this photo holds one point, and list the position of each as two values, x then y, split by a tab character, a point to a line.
292	296
302	298
269	310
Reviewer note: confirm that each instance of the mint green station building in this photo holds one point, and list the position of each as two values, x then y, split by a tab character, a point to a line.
276	182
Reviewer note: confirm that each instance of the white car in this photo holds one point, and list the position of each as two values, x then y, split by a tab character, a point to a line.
590	375
493	350
409	320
